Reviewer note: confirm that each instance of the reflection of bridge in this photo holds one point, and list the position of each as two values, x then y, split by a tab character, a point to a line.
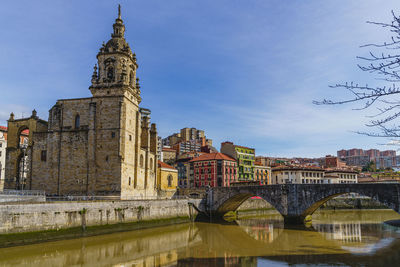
295	201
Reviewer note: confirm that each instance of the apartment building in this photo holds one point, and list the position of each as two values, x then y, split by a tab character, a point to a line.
244	156
213	170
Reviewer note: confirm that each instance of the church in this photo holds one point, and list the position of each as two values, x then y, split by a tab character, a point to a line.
103	145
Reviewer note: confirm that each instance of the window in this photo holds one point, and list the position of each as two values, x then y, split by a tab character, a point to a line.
43	155
169	180
77	121
130	137
129	180
151	163
112	134
141	161
107	158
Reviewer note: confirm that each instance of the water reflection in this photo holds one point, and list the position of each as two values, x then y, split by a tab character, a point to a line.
350	238
261	229
345	232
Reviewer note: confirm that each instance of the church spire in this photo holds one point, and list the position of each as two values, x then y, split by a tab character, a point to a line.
116	71
119	27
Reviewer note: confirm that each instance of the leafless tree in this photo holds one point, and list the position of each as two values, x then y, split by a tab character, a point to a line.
385	65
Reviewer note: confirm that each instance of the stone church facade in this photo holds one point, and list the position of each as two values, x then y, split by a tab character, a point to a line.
100	145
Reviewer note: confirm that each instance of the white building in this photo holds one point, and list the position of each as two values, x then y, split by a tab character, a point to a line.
311	175
3	145
342	176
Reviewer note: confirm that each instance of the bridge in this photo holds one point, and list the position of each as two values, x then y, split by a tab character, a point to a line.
296	201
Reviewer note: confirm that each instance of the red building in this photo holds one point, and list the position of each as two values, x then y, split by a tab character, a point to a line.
213	169
334	162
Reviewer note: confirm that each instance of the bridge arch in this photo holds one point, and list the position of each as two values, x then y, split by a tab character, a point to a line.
295	201
384	197
234	202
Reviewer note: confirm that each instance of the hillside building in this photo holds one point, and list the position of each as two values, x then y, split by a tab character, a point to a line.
262	174
213	170
311	175
244	157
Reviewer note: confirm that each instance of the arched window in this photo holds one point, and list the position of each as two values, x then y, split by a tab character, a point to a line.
141	161
110	73
77	121
169	180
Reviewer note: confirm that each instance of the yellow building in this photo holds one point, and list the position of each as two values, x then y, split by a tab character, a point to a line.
262	173
167	180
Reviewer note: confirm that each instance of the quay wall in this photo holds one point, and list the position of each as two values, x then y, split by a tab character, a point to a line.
32	217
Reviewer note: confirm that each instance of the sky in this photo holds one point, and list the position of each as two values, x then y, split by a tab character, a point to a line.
243	71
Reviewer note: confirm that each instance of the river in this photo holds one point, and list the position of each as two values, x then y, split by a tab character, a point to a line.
351	238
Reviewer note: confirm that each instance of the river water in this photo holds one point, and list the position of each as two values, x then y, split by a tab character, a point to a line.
351	238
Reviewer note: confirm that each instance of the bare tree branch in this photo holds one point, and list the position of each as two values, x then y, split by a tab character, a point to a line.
387	67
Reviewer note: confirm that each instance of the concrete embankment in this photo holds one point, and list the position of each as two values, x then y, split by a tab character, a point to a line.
35	222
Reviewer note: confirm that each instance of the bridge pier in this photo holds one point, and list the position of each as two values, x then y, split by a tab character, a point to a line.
291	220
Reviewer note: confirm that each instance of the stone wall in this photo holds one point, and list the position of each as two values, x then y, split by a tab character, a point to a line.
15	218
255	204
16	198
353	203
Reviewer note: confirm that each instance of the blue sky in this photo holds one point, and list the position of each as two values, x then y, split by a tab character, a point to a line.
245	71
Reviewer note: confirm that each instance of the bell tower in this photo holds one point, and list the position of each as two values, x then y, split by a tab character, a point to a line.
115	72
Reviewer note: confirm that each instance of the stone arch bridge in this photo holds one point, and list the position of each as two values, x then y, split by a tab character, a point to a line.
295	201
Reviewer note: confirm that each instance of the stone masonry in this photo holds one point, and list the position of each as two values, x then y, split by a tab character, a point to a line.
99	145
296	201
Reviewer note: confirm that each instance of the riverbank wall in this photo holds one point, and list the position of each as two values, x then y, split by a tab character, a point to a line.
34	222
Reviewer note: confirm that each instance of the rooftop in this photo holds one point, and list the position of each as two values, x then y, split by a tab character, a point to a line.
228	142
297	168
212	156
168	149
165	165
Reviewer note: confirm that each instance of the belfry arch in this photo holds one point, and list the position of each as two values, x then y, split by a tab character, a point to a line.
18	173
